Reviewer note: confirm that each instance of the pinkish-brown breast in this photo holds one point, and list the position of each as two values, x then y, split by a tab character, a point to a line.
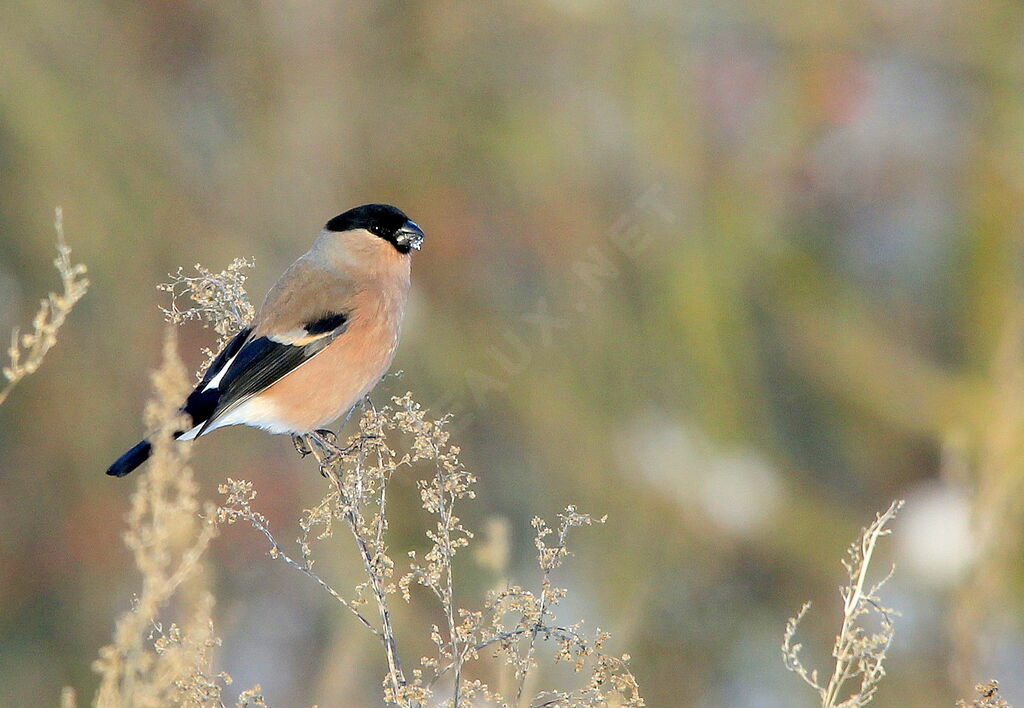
334	380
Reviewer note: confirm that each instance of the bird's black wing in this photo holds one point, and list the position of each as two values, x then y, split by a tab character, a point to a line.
203	401
265	360
224	357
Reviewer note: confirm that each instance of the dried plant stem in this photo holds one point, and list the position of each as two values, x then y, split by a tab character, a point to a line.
857	653
277	551
27	351
527	663
564	633
445	512
356	497
853	599
387	628
459	656
168	536
988	697
219	301
327	453
549	558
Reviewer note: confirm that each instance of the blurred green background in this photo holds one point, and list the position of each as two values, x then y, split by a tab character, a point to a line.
736	274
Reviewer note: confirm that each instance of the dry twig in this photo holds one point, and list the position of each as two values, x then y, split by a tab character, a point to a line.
219	301
27	351
358	476
858	653
988	697
152	663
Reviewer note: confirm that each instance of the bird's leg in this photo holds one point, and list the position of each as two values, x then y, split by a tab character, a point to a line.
301	445
348	416
361	404
332	437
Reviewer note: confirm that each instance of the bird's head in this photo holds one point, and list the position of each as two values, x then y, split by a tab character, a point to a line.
383	221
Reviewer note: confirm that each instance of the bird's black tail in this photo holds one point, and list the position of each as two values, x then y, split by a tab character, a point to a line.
200	407
131	459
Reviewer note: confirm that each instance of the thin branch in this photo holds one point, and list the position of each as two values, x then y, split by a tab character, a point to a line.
244	512
857	652
327	455
27	351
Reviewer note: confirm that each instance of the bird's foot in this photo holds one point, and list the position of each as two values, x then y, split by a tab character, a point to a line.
301	445
323	445
329	435
326	442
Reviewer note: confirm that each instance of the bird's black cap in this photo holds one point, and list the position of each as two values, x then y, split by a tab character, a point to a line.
384	220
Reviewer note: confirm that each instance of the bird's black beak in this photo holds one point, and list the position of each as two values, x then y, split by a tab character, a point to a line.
410	235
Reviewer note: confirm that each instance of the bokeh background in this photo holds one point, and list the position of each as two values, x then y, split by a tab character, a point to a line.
735	273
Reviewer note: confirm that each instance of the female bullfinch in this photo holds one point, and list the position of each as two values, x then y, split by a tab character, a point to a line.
324	336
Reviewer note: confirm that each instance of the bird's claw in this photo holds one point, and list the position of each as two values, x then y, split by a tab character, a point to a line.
323	445
329	435
301	445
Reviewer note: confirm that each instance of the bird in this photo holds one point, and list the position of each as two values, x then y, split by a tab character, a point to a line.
325	334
